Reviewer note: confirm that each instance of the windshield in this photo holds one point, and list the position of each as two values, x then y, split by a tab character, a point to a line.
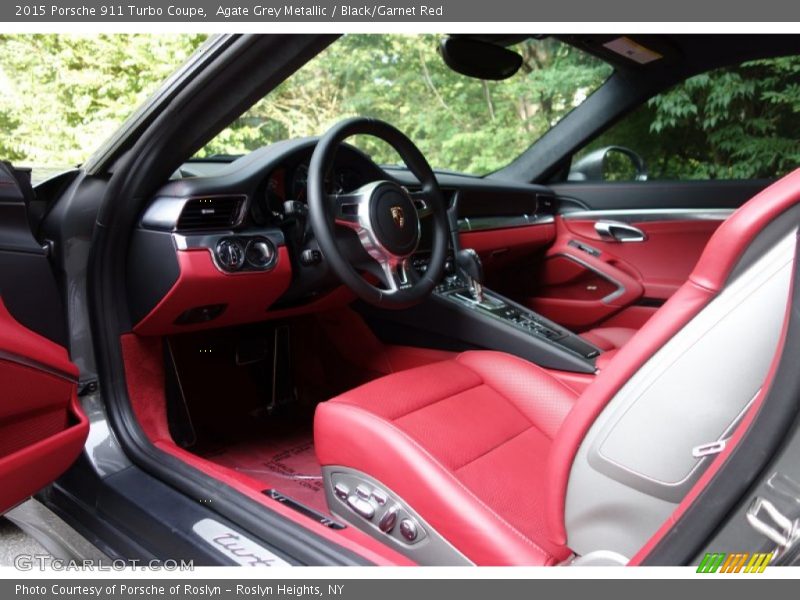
459	123
61	96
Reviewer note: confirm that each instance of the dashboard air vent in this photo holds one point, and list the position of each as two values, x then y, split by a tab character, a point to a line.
216	212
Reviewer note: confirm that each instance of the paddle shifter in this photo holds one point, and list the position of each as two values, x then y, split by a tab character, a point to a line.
471	269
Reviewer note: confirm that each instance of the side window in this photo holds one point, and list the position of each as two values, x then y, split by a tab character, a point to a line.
733	123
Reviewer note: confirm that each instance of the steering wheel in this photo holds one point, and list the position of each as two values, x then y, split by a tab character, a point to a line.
384	215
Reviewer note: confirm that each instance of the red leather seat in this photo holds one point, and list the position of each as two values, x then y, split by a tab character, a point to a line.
481	446
609	338
465	442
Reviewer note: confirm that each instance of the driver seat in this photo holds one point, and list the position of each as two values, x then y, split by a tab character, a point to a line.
485	457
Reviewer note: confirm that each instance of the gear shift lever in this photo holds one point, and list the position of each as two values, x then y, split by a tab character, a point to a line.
470	266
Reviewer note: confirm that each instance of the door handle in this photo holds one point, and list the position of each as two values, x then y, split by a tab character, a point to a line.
617	231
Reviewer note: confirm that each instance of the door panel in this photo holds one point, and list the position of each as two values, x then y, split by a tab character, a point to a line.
650	270
676	218
42	428
664	260
579	286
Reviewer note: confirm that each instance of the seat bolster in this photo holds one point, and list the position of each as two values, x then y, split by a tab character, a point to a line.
675	313
346	434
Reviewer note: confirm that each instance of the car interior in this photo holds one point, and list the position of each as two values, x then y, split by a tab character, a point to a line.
436	368
467	370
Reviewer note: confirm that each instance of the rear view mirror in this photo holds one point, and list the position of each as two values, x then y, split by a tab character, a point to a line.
478	59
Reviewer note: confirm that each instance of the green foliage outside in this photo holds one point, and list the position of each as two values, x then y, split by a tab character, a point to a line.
62	95
733	123
459	123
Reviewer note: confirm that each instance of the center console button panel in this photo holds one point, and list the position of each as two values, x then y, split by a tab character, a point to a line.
497	307
456	318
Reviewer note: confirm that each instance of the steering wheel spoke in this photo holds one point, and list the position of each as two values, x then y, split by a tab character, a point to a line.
348	209
396	274
422	203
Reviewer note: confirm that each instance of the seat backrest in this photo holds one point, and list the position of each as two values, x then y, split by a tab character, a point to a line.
624	457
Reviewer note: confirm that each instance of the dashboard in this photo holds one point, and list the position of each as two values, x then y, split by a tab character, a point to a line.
290	182
229	243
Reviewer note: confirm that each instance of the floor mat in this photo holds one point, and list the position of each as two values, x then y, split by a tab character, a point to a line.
287	464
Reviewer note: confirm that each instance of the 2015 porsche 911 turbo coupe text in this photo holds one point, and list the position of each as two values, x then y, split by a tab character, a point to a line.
425	336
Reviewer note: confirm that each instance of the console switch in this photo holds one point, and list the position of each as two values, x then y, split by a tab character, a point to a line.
361	507
341	491
388	520
408	529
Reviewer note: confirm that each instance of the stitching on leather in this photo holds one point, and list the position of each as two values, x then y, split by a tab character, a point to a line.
543	372
573	394
531	425
343	399
449	474
493	448
437	401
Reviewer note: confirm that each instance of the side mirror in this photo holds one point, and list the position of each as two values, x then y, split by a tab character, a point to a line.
479	59
612	163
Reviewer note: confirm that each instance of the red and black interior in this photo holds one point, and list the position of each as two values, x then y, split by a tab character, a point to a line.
42	427
235	392
262	370
227	368
483	444
244	398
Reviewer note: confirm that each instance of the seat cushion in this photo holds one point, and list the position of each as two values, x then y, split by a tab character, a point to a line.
609	338
465	443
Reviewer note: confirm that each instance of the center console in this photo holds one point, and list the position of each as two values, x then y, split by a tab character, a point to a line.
456	318
497	307
501	324
462	314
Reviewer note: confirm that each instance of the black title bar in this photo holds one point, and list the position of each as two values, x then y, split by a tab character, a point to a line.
465	11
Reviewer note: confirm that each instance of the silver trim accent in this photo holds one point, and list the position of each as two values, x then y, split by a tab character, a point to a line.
781	530
235	546
643	215
617	231
236	257
488	223
209	241
606	299
419	198
396	268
